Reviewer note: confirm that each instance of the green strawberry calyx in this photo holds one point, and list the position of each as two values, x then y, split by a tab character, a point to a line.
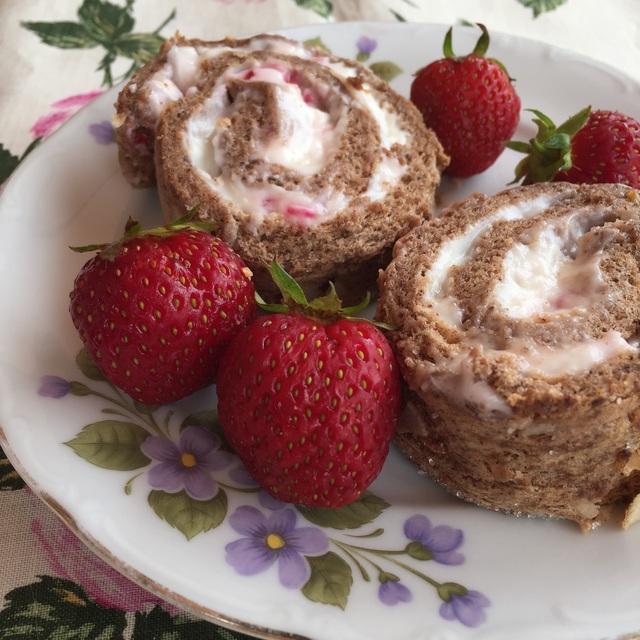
133	229
481	48
549	151
325	309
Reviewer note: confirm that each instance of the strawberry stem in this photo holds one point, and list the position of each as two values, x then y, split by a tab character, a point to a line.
482	45
325	309
549	151
133	229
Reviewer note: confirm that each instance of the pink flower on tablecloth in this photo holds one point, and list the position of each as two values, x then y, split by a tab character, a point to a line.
70	559
62	111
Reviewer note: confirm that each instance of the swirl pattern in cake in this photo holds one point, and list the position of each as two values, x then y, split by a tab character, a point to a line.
516	327
300	156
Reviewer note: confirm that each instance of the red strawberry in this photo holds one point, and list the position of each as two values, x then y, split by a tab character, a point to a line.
471	105
309	398
156	309
590	147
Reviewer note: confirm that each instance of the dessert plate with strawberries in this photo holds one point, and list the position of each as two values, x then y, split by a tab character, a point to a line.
157	490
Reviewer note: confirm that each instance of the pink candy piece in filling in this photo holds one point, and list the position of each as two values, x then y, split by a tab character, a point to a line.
274	205
300	212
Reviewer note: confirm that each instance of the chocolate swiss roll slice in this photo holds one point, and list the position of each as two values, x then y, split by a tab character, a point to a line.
299	156
175	72
516	328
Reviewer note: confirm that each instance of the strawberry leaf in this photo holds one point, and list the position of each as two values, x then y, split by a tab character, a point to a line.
575	122
325	309
292	292
191	517
549	152
482	45
111	444
133	229
557	141
330	581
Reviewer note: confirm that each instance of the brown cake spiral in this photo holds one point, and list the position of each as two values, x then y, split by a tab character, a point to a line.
300	156
516	327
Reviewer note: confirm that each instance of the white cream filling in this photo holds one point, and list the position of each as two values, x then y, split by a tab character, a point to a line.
554	270
457	381
384	178
553	273
573	358
458	251
307	141
258	202
179	76
307	137
390	130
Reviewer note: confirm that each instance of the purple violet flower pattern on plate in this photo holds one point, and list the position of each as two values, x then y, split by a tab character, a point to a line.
190	468
187	465
102	132
274	539
468	608
392	592
442	541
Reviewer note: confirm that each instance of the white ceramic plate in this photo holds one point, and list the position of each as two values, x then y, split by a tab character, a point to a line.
522	578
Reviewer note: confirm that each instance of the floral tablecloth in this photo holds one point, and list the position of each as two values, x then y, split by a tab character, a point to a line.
57	57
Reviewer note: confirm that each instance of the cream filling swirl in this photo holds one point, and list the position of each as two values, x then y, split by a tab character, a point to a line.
308	137
552	271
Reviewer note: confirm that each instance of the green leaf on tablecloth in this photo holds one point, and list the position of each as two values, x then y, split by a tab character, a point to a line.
63	35
9	478
397	16
112	444
352	516
188	515
330	581
105	22
540	6
55	608
161	625
386	70
323	8
107	25
139	47
9	162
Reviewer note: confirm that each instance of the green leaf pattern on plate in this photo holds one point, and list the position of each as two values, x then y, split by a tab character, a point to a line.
188	515
112	444
193	495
